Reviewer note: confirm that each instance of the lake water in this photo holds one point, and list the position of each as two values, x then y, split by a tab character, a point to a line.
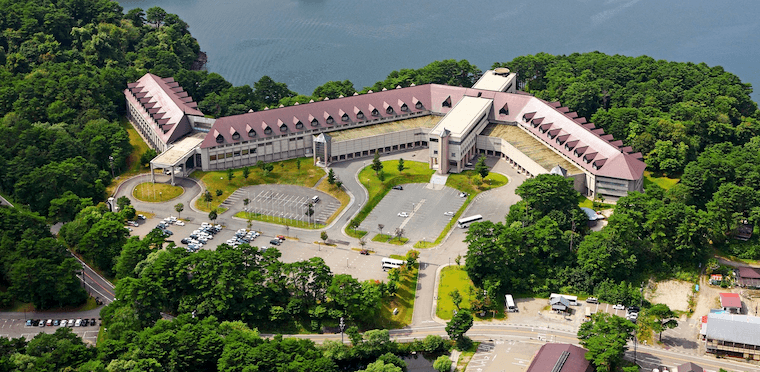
305	43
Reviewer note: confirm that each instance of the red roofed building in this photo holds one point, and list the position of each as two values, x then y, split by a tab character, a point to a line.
731	302
455	123
560	358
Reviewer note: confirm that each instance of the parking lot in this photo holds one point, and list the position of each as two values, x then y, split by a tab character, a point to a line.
426	210
14	328
513	355
286	201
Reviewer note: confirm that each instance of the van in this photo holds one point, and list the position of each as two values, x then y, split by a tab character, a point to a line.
510	304
315	199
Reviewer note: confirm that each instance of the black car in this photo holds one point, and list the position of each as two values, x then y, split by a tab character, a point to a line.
85	322
185	241
633	309
397	187
275	242
92	321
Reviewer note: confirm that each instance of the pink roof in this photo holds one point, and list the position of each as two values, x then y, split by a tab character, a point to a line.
165	103
606	157
730	300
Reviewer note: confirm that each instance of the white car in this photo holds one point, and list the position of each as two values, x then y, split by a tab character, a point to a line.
403	214
618	307
205	224
63	322
179	223
463	194
448	214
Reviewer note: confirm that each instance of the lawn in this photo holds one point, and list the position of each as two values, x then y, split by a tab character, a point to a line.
156	192
403	301
278	220
663	181
455	277
337	193
285	172
585	202
133	160
384	238
467	181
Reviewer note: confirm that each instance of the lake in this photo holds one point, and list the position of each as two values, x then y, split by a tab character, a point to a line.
305	43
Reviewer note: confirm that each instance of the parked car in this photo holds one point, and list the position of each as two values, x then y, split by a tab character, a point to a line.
92	321
463	194
364	252
85	322
633	310
315	199
63	322
78	323
592	300
403	214
71	322
397	187
56	322
618	307
449	214
141	217
29	322
179	223
49	322
133	223
281	237
275	242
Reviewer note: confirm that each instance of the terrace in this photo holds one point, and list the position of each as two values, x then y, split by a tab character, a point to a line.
531	147
372	130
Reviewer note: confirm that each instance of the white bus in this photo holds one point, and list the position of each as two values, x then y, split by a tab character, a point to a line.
510	302
465	222
392	263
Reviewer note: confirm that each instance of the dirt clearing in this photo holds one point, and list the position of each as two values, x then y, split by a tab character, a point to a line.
674	293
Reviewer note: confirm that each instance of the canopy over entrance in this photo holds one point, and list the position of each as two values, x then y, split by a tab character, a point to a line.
177	155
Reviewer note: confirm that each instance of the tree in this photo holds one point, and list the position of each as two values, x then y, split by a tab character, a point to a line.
456	298
606	337
268	168
246	201
400	165
380	227
298	163
353	224
246	172
339	184
662	318
442	364
398	233
147	156
481	167
363	241
179	207
334	89
156	16
458	260
219	192
122	202
212	215
230	174
459	324
309	211
323	236
331	177
207	198
377	165
268	92
548	192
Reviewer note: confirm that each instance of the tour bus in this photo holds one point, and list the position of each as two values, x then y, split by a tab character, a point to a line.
464	223
511	307
391	263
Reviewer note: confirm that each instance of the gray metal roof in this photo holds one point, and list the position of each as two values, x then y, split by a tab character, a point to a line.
743	329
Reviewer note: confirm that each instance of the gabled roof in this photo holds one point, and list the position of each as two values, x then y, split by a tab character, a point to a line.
730	300
689	367
560	358
743	329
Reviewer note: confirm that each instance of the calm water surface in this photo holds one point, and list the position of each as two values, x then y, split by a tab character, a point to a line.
305	43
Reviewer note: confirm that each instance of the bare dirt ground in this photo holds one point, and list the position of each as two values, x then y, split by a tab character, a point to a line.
709	297
674	293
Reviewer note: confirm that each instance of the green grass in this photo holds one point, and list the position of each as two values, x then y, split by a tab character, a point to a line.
138	148
585	202
285	172
278	220
384	238
403	301
358	234
337	193
467	181
455	277
156	192
662	181
466	356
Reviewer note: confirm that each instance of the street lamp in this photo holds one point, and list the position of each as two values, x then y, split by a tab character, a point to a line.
342	327
110	160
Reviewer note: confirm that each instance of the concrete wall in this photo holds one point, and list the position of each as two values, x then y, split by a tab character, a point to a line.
248	152
387	142
512	154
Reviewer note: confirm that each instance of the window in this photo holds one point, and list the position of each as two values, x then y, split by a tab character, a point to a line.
229	154
212	157
446	102
389	110
375	112
418	105
245	152
268	130
253	151
454	154
299	125
252	133
283	128
292	139
315	123
344	117
237	153
503	111
404	107
236	136
219	138
435	152
330	120
434	140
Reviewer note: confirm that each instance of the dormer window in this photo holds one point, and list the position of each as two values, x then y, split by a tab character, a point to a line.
329	120
283	128
299	125
267	130
375	112
389	110
360	115
418	105
314	122
504	110
236	136
219	138
403	106
252	133
344	117
446	102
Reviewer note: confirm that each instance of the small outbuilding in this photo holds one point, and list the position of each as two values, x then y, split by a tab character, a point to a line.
731	302
748	277
560	304
689	367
